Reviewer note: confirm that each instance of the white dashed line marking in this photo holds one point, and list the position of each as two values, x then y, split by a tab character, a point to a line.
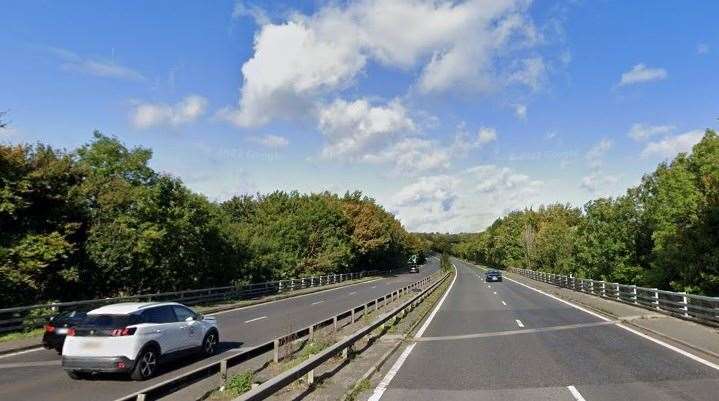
353	293
255	319
374	286
575	393
317	303
495	293
504	303
519	323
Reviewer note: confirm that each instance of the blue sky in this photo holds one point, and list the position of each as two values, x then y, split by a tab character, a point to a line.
450	114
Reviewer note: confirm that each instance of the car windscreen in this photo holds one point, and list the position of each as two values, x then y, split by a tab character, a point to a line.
111	321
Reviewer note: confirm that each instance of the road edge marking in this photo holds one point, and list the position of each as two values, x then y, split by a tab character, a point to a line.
575	393
640	334
387	379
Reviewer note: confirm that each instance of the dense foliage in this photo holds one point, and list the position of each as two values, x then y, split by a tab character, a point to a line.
663	233
98	221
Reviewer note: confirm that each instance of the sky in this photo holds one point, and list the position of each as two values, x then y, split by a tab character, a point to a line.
449	113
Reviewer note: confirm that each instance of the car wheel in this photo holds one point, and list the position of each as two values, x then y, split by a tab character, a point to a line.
209	344
75	375
146	364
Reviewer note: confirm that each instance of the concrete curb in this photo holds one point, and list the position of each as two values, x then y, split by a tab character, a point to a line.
227	308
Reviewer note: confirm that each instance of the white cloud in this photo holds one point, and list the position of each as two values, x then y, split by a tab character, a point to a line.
598	182
146	115
96	67
464	142
456	45
641	132
271	141
356	128
467	201
671	146
520	110
596	153
702	48
641	73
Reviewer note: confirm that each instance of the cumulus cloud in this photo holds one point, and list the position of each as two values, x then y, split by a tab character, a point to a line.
520	111
464	142
97	67
353	129
146	115
454	44
641	132
673	145
271	141
467	201
641	73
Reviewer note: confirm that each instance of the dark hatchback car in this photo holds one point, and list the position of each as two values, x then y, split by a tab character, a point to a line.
56	328
492	276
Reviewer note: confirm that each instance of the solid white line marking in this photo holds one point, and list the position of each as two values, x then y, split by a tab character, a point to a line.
21	352
640	334
255	319
504	303
575	393
317	303
519	323
382	386
489	286
374	286
436	308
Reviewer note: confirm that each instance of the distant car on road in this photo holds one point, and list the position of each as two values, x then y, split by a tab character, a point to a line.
492	275
135	337
57	327
414	268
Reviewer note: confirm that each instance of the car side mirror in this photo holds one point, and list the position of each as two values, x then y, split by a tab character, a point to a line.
190	319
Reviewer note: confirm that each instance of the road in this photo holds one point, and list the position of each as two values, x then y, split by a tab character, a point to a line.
504	341
38	376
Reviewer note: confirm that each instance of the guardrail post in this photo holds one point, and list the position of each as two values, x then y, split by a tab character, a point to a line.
353	315
634	294
619	294
276	350
312	331
140	397
344	352
604	289
311	375
685	301
223	374
656	298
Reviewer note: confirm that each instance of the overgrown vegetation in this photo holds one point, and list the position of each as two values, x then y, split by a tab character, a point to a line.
662	233
98	221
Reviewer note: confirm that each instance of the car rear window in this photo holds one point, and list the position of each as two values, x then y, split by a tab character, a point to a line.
111	321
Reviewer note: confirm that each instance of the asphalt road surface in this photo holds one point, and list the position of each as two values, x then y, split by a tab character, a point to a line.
37	375
504	341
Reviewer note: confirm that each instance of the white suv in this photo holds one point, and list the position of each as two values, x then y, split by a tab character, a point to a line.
133	337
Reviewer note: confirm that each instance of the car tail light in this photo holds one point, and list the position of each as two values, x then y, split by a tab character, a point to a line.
49	328
125	331
71	332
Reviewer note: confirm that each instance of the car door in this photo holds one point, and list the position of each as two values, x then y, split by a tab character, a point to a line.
167	329
191	332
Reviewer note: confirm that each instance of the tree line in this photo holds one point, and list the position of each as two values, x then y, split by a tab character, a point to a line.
97	221
662	233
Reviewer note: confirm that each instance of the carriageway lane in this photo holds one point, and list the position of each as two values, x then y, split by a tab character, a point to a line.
38	376
600	361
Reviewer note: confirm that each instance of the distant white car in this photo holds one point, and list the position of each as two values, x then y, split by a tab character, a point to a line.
135	337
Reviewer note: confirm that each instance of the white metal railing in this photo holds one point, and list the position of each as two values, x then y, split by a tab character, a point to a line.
681	304
20	317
